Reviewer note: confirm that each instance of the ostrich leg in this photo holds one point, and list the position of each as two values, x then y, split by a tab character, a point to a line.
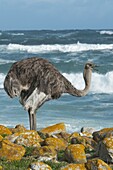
32	120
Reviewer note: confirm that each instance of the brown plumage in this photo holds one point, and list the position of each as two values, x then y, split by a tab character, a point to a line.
36	80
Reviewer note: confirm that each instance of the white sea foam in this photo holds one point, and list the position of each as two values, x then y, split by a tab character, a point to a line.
2	61
2	77
57	47
106	32
16	34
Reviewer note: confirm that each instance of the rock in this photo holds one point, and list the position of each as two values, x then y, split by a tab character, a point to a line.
97	164
1	138
57	128
4	130
13	137
47	153
105	150
64	136
11	151
74	167
58	144
18	128
87	131
1	168
39	166
75	154
73	135
89	143
29	138
100	135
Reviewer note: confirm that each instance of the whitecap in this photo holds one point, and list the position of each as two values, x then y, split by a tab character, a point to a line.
2	61
16	34
2	77
106	32
59	47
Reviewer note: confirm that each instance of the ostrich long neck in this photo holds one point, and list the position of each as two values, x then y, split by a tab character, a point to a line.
87	78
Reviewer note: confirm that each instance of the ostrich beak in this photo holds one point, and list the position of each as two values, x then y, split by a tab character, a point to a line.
95	67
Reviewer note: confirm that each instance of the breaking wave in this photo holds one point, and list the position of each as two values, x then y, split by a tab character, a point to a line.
78	47
101	83
106	32
2	61
2	77
16	34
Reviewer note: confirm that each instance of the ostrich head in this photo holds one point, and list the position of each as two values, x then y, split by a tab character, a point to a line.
12	86
88	72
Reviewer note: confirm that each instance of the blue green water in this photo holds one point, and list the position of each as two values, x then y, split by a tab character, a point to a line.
68	50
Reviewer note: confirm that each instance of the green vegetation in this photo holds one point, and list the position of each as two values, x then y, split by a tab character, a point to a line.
15	165
24	163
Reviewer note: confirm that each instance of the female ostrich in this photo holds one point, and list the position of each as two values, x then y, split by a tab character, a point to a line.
36	80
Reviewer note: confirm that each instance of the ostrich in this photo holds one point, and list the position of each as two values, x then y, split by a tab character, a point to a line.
36	80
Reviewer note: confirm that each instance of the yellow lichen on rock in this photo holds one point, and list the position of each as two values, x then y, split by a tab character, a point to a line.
108	142
4	130
73	135
29	138
75	153
89	143
103	133
47	151
97	164
1	138
57	128
1	168
11	151
18	128
74	167
56	142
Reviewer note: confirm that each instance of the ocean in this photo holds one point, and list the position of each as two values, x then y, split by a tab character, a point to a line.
68	50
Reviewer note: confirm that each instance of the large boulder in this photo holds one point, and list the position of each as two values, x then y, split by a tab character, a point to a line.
105	150
75	153
97	164
57	143
11	151
54	129
103	133
29	138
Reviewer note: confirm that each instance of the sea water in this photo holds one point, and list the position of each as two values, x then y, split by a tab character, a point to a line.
68	50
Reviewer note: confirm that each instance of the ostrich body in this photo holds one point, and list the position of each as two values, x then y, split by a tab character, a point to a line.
36	80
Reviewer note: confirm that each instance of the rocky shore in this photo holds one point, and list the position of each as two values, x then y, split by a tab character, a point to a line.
54	148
